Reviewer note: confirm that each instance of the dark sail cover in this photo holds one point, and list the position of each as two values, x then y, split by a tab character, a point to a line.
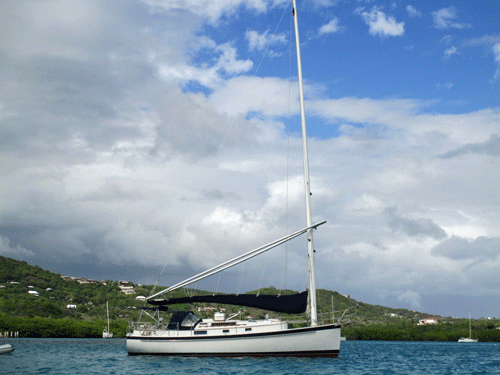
290	304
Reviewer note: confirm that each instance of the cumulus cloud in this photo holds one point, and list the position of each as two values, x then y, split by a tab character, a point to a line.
212	10
447	40
6	249
261	42
411	297
225	61
457	248
413	12
496	53
443	19
381	24
490	147
331	27
484	40
449	52
414	227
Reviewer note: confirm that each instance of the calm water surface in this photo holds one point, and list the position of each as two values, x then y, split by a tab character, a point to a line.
99	356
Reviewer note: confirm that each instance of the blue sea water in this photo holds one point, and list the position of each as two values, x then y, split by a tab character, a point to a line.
109	356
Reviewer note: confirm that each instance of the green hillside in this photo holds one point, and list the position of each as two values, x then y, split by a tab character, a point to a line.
39	303
55	293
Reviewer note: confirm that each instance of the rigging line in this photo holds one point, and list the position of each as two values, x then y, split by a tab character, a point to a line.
158	279
271	40
255	73
233	262
241	278
218	282
262	276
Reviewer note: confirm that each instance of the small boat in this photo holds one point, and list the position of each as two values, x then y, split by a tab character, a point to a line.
106	334
6	349
468	339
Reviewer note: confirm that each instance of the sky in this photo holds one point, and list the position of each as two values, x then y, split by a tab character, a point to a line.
150	140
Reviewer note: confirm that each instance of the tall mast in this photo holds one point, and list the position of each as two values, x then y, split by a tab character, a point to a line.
107	312
307	188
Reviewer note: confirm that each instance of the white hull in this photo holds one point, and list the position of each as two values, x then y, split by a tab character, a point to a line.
106	334
6	348
466	339
321	341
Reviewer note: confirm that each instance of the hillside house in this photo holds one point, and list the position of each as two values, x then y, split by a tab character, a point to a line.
127	289
422	322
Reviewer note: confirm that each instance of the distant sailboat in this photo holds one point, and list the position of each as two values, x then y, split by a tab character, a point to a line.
106	334
468	339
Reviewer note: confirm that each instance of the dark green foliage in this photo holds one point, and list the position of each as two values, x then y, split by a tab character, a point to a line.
42	327
405	331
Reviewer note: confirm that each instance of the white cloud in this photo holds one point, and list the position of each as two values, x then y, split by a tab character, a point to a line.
490	147
413	298
208	76
412	12
447	40
260	42
381	24
484	40
331	27
241	95
7	250
496	53
482	249
212	10
414	227
447	85
449	52
443	19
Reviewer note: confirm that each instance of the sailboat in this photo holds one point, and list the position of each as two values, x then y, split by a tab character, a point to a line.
468	339
188	335
106	333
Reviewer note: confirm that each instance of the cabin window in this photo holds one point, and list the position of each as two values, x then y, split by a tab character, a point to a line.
248	329
225	331
190	321
200	332
183	320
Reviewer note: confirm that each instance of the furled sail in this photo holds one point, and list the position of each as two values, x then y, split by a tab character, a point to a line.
290	304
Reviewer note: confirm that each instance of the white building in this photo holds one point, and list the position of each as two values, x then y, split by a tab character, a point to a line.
127	289
422	322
